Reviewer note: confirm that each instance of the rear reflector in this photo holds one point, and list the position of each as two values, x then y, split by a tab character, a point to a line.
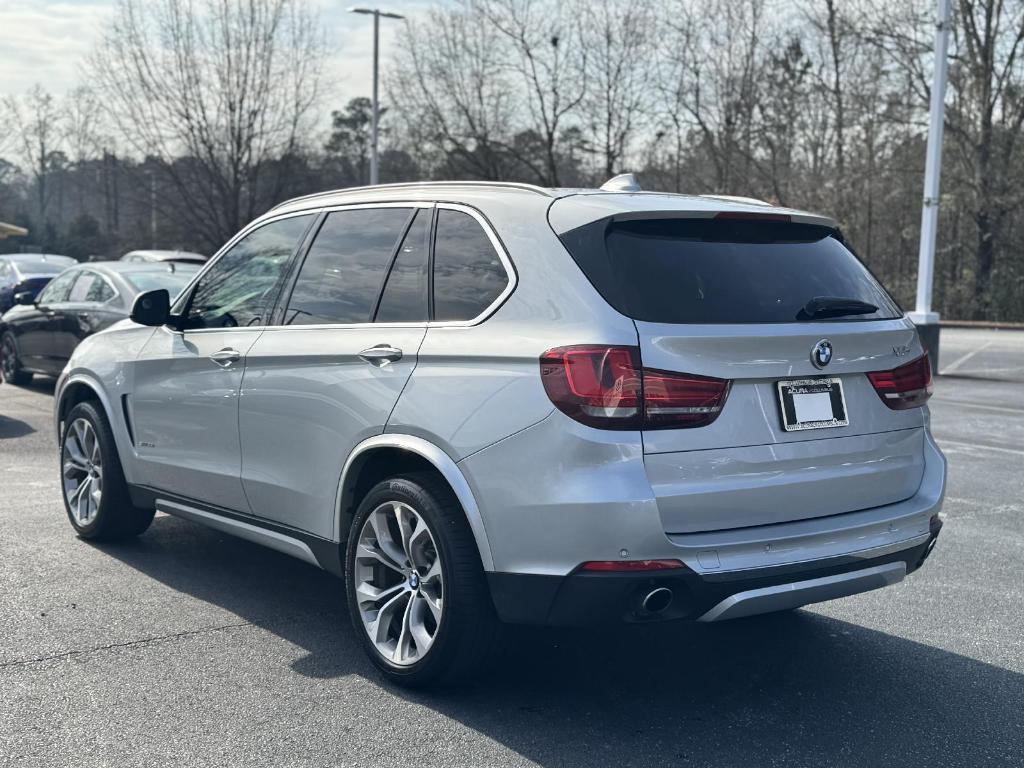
631	566
606	387
908	386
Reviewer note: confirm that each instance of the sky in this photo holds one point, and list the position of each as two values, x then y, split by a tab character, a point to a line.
48	41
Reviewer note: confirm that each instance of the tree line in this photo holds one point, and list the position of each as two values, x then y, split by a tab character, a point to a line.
194	117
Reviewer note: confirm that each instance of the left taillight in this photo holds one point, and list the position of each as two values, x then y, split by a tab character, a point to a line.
908	386
606	387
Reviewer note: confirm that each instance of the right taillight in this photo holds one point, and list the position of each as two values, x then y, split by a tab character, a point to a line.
908	386
606	387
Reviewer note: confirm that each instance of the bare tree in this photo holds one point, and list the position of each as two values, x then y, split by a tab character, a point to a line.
986	118
617	43
447	81
213	91
547	55
38	141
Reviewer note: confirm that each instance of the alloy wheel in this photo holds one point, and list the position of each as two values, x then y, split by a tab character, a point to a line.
82	471
9	358
399	585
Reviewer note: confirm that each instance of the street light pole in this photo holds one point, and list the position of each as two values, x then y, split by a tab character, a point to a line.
926	320
376	13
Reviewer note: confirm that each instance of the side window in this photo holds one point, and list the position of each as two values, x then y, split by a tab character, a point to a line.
237	289
342	275
83	285
100	291
405	294
468	275
57	289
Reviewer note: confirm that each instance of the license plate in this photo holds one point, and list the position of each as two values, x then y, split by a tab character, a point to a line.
812	404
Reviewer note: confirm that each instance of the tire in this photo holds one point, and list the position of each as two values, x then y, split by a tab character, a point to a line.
93	487
10	365
458	607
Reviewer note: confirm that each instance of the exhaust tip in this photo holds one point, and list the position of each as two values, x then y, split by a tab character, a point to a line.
657	600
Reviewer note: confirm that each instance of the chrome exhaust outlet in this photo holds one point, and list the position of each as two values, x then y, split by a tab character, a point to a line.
657	600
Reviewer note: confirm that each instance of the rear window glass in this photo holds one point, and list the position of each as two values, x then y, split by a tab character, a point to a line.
723	271
39	267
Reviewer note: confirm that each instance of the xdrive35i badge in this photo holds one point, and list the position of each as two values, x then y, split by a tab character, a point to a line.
821	355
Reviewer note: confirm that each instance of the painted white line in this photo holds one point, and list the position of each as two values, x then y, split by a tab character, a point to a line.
960	361
958	444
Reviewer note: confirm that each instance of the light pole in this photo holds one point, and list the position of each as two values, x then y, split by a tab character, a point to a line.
376	13
926	320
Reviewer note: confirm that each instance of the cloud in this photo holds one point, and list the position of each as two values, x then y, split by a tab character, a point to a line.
48	43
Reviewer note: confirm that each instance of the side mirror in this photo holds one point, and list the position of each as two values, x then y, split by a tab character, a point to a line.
25	298
152	308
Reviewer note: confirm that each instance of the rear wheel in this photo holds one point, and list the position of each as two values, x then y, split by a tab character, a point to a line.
10	365
415	586
95	492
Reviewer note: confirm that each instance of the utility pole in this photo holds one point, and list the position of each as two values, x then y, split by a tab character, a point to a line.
926	320
376	13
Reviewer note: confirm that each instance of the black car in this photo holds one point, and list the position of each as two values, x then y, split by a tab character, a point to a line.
39	336
27	273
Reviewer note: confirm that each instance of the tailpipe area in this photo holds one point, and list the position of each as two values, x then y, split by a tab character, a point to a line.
657	600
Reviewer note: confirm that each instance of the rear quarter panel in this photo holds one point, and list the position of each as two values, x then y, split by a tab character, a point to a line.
479	384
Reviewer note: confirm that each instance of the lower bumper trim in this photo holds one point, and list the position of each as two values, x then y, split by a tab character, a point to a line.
795	594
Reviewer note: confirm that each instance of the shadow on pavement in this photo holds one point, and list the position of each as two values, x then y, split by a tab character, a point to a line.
796	688
10	428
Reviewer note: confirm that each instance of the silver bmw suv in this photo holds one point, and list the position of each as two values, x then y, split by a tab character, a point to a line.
482	403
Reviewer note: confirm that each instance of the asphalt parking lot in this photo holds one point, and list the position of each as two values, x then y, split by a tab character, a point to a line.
188	647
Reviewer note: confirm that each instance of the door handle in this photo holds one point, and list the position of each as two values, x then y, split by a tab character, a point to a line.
225	357
381	355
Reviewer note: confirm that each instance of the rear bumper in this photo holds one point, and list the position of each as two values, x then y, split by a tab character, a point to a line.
582	598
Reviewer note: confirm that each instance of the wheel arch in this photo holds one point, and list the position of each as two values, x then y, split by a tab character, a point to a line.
381	456
78	388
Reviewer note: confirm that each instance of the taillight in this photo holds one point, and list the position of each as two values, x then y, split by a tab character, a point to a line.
606	387
908	386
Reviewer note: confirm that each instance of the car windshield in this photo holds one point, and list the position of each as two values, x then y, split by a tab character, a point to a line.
152	280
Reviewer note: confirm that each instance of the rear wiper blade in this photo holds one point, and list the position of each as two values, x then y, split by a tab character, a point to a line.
834	306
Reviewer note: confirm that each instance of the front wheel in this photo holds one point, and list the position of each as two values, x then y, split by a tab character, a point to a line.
415	586
95	492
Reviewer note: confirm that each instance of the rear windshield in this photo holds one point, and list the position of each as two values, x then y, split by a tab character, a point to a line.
39	267
172	281
723	271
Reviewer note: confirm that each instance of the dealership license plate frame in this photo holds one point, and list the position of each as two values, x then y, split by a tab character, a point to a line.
788	389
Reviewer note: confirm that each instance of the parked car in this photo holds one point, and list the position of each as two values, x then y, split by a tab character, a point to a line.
182	257
27	273
40	333
484	403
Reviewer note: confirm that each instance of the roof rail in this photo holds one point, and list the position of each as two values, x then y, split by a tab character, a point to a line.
414	184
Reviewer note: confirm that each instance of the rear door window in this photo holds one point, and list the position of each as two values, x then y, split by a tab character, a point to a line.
722	271
343	273
84	283
405	294
468	273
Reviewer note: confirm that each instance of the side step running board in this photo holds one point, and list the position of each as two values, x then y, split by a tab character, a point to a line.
253	533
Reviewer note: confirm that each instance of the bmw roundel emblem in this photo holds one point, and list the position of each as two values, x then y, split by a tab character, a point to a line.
821	355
